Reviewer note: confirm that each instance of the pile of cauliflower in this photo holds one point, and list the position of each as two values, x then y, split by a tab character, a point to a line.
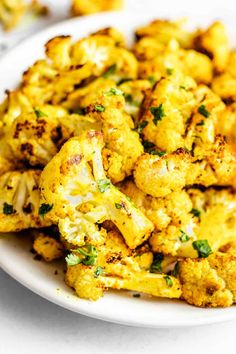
122	161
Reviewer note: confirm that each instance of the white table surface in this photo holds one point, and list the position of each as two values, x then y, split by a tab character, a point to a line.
32	325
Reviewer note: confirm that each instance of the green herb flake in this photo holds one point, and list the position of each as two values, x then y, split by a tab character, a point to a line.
156	264
104	185
118	205
182	87
122	81
169	71
98	272
158	113
114	91
141	126
184	237
152	79
111	70
203	111
81	111
168	280
44	209
39	113
196	213
202	247
99	108
89	253
72	260
176	270
8	209
200	124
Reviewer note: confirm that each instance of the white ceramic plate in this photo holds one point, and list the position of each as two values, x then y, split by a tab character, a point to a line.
15	258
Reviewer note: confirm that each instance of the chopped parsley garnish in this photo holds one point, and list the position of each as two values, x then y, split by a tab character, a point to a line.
203	248
129	99
39	113
158	113
81	111
99	108
182	87
168	280
176	270
201	123
169	71
104	185
203	111
44	209
196	212
184	237
151	149
126	79
89	255
141	126
152	79
8	209
118	205
156	264
98	271
111	70
114	91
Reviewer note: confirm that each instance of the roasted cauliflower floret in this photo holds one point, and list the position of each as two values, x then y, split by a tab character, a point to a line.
79	7
134	93
160	176
12	11
20	201
75	183
164	30
216	219
214	42
37	136
114	266
123	146
208	282
47	246
166	109
158	60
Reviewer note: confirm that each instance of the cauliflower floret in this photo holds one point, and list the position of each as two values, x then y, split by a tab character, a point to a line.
160	176
216	212
134	93
224	85
209	282
158	60
227	124
117	268
164	30
166	109
174	208
47	246
12	11
75	184
79	7
20	201
119	135
36	137
214	42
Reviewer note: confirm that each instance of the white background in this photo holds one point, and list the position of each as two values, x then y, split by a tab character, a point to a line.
32	325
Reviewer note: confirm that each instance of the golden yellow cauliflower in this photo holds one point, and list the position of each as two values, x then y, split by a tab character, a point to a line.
80	7
12	11
76	187
114	266
214	42
20	201
47	246
208	282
